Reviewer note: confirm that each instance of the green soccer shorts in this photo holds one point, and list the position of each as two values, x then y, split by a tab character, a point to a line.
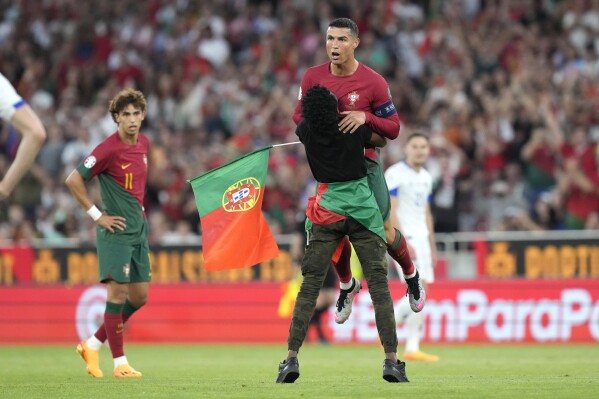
124	263
378	185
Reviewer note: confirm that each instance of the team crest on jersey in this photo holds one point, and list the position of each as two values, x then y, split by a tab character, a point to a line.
353	97
242	196
89	162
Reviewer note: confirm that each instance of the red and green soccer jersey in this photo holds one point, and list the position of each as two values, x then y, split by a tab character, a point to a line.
364	90
122	171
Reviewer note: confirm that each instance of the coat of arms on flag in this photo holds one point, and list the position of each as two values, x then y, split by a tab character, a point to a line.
229	200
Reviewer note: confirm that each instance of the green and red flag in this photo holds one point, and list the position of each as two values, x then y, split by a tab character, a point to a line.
229	199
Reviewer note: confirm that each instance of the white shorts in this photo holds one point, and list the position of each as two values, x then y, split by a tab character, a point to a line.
423	260
10	101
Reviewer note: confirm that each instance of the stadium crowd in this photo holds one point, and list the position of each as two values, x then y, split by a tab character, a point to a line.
509	91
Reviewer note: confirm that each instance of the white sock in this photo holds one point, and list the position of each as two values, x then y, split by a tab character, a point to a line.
94	343
410	275
402	310
120	361
413	324
346	286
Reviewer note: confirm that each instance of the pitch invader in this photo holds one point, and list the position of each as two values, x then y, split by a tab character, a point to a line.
364	98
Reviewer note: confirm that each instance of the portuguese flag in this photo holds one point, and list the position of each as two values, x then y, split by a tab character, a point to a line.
229	199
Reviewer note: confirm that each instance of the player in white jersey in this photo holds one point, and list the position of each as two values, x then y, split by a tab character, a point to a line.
14	110
410	189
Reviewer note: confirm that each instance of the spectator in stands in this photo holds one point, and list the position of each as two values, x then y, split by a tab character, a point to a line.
498	80
578	180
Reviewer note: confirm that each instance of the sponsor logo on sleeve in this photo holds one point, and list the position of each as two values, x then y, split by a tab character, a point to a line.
89	162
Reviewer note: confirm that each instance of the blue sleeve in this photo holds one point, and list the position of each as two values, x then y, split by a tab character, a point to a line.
385	110
394	192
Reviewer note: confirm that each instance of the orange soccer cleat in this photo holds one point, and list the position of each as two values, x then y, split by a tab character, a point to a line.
418	355
126	371
91	358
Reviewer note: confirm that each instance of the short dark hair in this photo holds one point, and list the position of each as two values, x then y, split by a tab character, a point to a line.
319	108
417	134
124	98
345	23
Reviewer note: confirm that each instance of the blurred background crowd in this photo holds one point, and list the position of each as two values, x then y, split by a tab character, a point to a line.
508	90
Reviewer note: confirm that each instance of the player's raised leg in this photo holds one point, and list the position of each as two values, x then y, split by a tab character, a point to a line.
349	286
397	248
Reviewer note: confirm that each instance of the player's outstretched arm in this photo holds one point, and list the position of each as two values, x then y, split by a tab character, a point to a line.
351	121
384	118
76	185
385	126
33	135
388	126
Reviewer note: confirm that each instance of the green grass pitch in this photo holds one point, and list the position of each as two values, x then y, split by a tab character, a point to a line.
221	371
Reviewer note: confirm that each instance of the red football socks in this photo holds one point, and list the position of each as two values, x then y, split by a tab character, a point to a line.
399	251
113	325
343	266
128	310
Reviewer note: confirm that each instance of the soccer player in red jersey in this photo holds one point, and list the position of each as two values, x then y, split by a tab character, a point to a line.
364	98
121	164
333	214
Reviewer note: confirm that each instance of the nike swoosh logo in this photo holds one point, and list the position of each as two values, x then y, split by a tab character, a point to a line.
125	166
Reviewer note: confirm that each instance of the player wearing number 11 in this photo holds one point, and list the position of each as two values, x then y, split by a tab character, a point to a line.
121	164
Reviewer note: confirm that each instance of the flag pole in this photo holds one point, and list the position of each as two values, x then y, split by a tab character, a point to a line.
281	145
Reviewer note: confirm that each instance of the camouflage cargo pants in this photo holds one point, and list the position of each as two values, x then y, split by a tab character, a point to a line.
371	250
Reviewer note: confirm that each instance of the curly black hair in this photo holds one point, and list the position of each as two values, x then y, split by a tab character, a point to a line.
319	109
124	98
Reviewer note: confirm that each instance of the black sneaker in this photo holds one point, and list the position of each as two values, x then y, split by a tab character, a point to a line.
394	372
415	293
288	371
